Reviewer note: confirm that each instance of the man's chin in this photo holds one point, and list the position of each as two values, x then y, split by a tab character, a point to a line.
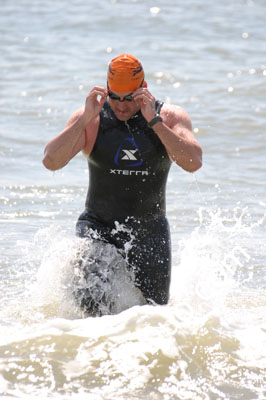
123	116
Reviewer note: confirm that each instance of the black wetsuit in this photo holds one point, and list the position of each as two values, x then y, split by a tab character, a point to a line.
128	169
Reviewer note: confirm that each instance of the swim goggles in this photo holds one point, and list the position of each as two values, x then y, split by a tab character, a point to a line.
128	97
113	96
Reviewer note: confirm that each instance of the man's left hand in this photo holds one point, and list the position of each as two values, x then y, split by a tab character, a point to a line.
146	102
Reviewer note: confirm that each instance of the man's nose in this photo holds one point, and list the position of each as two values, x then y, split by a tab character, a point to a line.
122	105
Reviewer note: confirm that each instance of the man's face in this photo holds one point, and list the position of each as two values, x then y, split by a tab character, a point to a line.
123	109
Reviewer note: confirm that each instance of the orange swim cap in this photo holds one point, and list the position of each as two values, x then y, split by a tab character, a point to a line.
125	74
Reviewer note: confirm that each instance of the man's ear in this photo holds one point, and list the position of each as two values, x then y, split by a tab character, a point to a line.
145	85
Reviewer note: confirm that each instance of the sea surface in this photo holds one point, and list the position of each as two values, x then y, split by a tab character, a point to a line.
209	342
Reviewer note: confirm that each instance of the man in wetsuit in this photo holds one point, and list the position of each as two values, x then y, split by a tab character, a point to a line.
130	140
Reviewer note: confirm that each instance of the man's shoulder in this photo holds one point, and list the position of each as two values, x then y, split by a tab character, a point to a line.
172	109
78	112
75	116
173	114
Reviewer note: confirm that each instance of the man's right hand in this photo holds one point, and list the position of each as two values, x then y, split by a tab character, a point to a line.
94	102
72	139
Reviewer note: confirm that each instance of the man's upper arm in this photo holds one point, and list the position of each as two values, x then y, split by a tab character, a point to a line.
179	120
182	147
86	142
82	139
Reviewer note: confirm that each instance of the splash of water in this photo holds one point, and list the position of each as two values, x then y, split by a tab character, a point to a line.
83	274
200	345
212	263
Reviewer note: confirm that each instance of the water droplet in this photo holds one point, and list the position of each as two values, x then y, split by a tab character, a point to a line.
155	10
176	84
158	74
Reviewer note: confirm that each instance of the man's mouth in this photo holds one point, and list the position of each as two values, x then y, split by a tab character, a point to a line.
122	111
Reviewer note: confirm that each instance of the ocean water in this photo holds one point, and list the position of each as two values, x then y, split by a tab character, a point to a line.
209	342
